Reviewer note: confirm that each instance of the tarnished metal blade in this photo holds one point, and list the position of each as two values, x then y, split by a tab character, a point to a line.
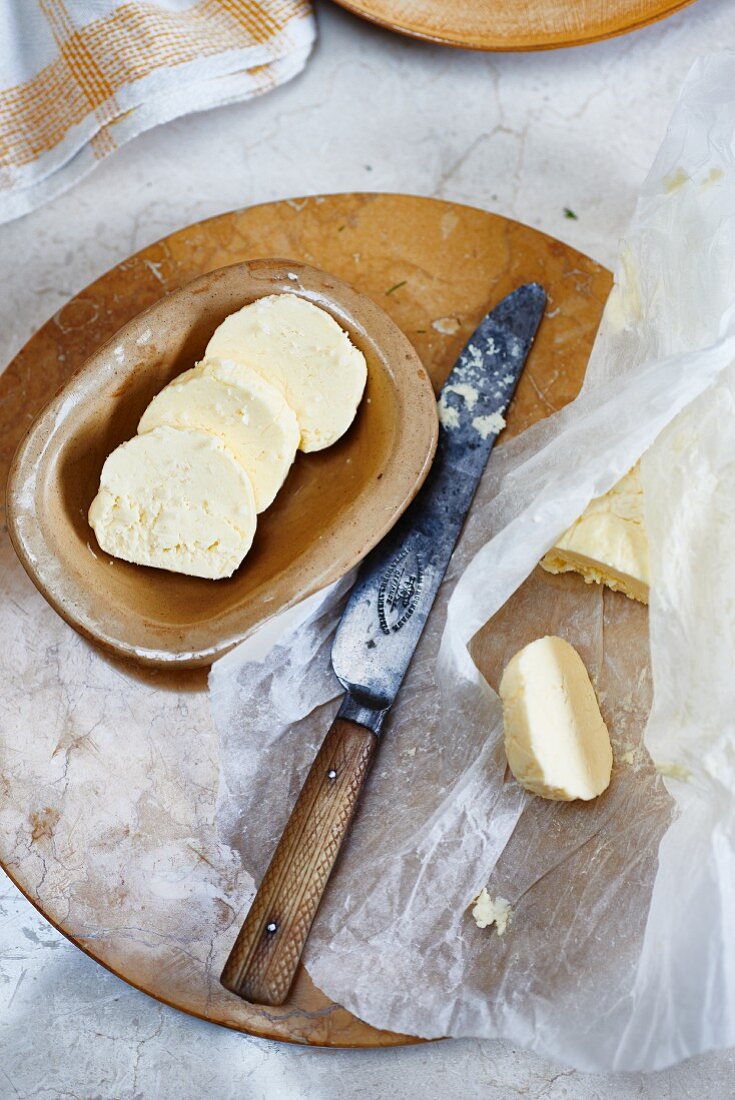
399	579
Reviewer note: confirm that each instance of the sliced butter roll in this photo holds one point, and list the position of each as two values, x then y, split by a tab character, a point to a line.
299	348
608	544
249	415
555	737
175	499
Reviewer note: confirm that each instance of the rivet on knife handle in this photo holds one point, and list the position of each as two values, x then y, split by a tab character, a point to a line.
263	961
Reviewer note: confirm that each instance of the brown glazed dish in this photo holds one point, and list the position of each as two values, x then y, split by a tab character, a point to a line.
334	506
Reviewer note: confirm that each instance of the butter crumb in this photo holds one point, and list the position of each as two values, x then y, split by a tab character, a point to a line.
447	326
715	175
675	180
673	771
489	911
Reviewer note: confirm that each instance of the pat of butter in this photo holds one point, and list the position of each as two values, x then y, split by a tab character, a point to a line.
608	543
250	416
300	349
176	499
556	740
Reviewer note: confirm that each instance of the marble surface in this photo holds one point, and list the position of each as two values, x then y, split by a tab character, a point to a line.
526	135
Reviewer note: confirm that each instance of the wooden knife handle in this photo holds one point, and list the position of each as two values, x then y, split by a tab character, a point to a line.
262	964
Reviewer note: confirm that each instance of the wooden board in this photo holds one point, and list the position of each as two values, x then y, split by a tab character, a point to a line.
91	823
514	24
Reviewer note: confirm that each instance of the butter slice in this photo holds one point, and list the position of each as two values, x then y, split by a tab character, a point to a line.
556	740
251	417
301	349
176	499
608	544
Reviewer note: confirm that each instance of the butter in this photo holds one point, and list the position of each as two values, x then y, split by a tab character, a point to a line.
488	911
177	499
608	543
251	417
556	740
300	349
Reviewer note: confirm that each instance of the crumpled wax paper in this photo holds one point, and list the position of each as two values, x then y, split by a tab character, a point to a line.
620	951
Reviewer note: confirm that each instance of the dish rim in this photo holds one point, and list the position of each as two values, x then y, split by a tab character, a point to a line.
411	451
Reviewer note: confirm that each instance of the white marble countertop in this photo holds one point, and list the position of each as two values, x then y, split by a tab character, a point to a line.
525	135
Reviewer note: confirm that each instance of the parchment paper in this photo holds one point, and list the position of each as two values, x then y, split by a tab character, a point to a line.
621	946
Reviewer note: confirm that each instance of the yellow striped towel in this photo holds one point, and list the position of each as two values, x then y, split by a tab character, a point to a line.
80	77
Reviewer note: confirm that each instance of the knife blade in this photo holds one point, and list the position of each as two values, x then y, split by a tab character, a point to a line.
374	643
397	584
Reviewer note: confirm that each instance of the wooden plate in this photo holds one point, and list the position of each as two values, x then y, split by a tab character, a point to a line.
335	505
513	24
112	837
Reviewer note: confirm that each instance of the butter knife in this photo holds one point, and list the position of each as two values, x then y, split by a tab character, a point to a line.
374	643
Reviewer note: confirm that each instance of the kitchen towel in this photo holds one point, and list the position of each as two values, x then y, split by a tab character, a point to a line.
78	79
